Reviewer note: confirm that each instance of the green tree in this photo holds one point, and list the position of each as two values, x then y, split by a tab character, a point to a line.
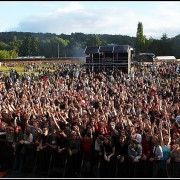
26	46
4	46
4	54
35	46
166	45
140	38
62	44
94	40
13	54
15	44
175	44
164	37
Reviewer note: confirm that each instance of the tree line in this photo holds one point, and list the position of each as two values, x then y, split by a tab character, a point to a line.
161	47
13	44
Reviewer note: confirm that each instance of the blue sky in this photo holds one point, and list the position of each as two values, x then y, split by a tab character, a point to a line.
97	17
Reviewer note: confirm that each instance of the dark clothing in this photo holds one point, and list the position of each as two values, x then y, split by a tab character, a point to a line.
44	139
108	148
122	149
108	168
61	141
74	145
147	148
73	163
18	137
52	139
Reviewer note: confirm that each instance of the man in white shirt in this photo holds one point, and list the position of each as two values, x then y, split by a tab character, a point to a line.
157	155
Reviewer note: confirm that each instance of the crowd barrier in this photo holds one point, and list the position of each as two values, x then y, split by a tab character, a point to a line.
50	163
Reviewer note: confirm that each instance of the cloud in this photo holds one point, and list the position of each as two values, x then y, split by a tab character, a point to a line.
76	17
72	7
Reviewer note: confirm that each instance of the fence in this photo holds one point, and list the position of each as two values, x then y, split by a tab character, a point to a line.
50	163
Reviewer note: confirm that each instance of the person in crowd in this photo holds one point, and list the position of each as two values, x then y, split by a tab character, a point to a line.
157	155
17	147
122	156
147	153
87	154
134	154
108	163
175	159
43	151
73	150
66	98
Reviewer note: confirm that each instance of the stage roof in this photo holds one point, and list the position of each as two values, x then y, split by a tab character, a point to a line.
108	49
121	49
92	50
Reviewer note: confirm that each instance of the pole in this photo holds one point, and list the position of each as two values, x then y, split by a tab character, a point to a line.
58	50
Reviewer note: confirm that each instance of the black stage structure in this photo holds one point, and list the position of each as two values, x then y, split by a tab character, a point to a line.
144	57
109	57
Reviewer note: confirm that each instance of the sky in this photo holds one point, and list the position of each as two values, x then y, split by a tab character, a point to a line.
91	17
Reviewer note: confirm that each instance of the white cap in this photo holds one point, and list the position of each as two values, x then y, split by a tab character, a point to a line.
178	119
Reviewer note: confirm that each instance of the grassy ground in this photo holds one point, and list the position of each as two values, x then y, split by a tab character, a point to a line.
19	69
19	66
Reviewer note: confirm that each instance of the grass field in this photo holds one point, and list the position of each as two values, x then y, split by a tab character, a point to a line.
19	69
19	66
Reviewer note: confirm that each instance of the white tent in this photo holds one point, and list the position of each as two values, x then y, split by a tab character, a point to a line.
161	58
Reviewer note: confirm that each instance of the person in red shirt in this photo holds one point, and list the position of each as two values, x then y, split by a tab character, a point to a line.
87	156
102	128
147	152
147	147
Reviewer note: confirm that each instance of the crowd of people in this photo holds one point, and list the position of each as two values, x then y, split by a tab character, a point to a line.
124	121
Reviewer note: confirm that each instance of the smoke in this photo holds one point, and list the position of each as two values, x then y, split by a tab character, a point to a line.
78	51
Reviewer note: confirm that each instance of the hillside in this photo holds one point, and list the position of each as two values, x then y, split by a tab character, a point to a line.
47	44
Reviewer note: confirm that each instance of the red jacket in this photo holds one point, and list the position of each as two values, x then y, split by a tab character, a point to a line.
147	148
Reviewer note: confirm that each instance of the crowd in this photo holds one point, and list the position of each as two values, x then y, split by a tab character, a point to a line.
122	120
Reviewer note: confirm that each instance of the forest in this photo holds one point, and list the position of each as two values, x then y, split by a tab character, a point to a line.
13	44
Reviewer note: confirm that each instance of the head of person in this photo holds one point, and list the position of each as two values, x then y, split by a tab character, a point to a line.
122	139
129	128
73	135
112	125
27	130
54	132
107	140
148	137
175	135
123	132
134	143
166	140
10	130
45	131
35	124
102	130
17	129
156	140
175	127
